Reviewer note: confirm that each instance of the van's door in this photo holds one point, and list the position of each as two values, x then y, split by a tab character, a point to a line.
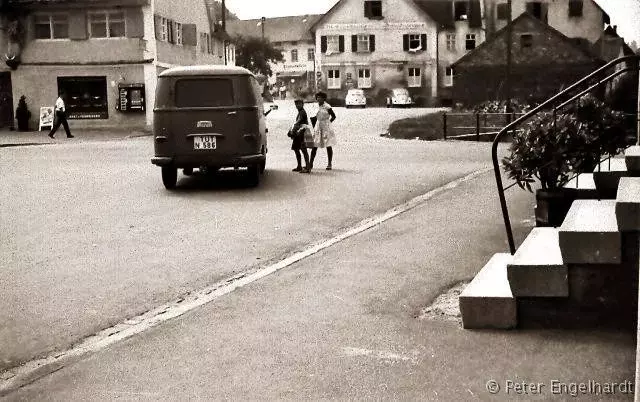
207	118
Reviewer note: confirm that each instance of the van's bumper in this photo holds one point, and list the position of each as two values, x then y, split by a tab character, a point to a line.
188	161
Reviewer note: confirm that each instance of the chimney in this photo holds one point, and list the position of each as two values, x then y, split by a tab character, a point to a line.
615	29
224	16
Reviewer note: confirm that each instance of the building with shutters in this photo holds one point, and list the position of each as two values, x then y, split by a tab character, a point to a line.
105	54
378	45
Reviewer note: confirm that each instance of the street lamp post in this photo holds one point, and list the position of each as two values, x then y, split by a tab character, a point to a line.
508	76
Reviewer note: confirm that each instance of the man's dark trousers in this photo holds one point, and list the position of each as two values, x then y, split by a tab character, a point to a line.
61	118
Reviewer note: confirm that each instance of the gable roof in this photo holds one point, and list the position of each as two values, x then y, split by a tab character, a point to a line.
576	43
280	29
610	44
441	11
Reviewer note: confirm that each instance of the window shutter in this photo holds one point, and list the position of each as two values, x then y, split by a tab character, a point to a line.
341	43
423	40
367	9
189	35
157	23
78	25
170	31
135	23
323	44
354	43
372	43
405	42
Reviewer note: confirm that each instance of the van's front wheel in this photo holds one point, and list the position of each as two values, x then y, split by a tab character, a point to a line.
169	177
253	173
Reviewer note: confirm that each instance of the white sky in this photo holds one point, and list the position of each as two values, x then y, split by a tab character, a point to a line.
624	13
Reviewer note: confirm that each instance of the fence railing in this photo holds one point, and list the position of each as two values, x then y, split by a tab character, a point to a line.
559	101
478	126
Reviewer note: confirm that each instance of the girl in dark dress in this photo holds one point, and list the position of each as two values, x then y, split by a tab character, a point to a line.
297	135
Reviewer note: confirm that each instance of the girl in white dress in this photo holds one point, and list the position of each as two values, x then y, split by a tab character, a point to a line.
323	136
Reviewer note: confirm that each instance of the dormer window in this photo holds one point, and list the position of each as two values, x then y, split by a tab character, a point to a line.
460	11
575	8
373	9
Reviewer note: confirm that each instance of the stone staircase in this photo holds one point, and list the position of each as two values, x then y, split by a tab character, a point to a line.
583	274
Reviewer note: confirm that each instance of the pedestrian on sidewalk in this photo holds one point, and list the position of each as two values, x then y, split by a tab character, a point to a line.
60	116
324	136
297	135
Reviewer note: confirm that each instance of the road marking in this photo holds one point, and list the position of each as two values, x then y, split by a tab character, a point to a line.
15	378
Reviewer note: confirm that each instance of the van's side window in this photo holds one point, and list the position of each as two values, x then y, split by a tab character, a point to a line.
204	92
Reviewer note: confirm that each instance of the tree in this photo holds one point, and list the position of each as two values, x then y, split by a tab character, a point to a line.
217	10
255	54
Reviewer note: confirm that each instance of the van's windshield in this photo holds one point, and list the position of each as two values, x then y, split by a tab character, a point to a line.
203	92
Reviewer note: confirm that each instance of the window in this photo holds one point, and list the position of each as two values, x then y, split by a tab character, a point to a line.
333	81
414	42
470	43
575	8
414	78
204	92
333	44
503	11
294	56
526	40
52	26
364	78
448	77
171	38
451	42
277	44
311	54
164	30
538	10
178	33
460	11
86	97
373	9
363	43
106	24
209	43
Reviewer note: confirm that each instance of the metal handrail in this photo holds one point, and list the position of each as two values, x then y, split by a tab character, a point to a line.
531	113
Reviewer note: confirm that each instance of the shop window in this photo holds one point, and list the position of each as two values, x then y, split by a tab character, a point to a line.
451	42
373	9
503	11
575	8
107	24
364	78
311	54
470	42
448	77
415	77
526	40
294	56
52	26
204	92
333	79
86	97
460	11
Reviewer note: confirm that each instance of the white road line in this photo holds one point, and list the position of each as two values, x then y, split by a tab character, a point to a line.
15	378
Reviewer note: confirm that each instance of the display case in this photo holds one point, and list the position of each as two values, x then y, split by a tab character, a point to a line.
131	98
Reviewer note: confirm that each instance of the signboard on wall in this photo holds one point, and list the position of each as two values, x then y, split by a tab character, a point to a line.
131	98
46	117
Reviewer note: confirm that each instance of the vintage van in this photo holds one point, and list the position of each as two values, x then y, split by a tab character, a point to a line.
208	117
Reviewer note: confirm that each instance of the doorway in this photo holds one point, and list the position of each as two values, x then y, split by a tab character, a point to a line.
6	100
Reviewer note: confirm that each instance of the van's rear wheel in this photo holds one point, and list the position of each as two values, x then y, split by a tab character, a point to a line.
169	177
253	173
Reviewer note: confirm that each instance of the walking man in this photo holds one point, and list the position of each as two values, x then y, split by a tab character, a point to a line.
60	117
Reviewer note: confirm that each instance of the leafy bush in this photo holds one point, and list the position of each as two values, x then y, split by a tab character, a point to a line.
552	150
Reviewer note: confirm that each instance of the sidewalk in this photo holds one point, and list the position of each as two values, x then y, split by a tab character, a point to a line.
17	138
345	324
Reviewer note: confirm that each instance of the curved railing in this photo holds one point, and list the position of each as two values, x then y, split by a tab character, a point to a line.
554	103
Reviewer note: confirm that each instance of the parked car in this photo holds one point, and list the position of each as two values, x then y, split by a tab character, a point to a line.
399	97
355	97
208	117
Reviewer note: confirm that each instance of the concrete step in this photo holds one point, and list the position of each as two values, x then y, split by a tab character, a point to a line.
584	185
537	269
487	302
589	233
632	158
607	176
628	204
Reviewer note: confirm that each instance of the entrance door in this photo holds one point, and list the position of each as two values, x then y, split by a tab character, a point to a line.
6	100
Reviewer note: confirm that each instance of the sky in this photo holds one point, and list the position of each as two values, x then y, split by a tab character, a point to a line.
624	13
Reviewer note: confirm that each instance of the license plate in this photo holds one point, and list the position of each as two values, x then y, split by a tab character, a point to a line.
204	142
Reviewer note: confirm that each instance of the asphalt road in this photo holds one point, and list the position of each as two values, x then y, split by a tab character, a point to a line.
90	237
